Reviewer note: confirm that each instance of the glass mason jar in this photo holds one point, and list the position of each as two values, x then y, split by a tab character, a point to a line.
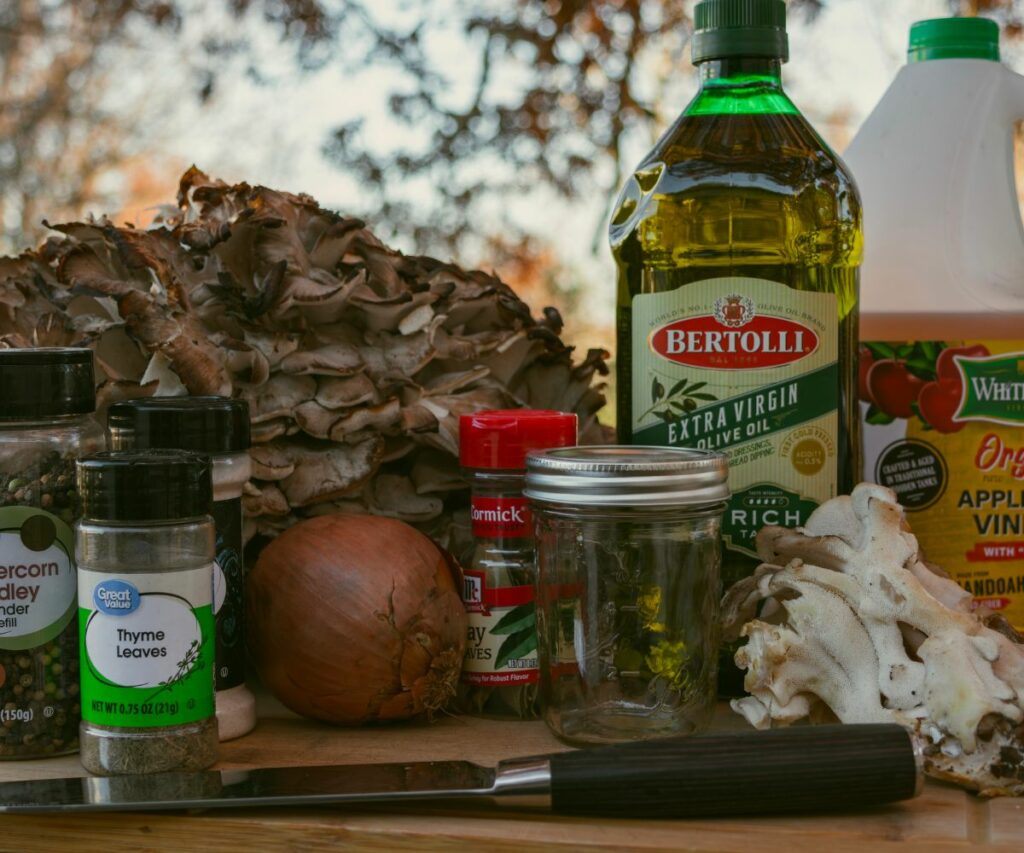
628	589
48	397
217	427
145	593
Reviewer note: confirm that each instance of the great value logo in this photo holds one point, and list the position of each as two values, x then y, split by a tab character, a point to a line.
733	337
115	597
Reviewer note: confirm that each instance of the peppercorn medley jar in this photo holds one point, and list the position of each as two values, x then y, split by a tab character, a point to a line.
145	592
47	397
499	673
217	427
628	589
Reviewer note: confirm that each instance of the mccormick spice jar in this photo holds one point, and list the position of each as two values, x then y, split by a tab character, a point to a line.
219	428
47	397
500	673
145	593
628	586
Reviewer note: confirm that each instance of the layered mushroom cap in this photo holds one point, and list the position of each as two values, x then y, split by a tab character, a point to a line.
844	620
356	360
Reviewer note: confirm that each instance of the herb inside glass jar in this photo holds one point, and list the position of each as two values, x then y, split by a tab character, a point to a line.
628	559
45	422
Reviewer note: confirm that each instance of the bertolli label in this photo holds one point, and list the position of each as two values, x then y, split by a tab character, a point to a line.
748	367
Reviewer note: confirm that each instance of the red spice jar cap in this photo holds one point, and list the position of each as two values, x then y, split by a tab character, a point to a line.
500	439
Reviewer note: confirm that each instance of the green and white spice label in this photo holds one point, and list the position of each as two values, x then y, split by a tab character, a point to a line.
147	646
38	585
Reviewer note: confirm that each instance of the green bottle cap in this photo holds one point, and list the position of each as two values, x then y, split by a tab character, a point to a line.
954	38
723	28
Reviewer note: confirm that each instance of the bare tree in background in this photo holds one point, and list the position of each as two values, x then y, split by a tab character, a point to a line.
67	120
1008	12
554	86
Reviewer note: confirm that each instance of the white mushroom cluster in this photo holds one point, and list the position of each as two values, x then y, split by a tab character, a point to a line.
356	360
844	620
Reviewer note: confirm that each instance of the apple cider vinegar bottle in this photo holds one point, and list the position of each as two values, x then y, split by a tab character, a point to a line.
738	241
942	357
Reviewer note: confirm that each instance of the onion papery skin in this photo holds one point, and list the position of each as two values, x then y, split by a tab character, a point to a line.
355	619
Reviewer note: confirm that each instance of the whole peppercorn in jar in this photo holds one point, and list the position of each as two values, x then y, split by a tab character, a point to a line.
48	396
499	673
218	427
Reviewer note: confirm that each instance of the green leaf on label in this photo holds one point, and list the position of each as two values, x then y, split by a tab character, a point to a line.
518	618
880	350
904	351
679	386
922	368
702	396
877	417
516	646
930	350
695	387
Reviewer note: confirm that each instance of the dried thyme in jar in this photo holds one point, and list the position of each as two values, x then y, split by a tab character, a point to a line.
628	585
145	595
219	427
46	421
499	672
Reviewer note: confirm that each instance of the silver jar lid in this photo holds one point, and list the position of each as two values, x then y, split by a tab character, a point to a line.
626	475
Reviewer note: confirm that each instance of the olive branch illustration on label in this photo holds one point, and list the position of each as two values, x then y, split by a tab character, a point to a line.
681	399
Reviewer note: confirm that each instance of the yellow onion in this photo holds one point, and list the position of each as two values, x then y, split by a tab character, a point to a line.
356	618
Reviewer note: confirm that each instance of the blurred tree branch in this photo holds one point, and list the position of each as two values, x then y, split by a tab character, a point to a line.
66	119
489	99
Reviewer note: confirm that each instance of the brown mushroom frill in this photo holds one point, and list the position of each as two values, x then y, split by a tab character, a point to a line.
356	360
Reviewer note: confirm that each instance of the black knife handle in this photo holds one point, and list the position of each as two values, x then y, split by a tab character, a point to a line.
798	769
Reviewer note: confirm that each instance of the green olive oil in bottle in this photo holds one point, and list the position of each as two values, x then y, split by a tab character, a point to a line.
738	242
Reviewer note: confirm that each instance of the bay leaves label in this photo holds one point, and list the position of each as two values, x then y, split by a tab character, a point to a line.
501	641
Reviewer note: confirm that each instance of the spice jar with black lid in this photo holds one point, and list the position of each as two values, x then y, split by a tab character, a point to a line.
145	550
47	399
217	427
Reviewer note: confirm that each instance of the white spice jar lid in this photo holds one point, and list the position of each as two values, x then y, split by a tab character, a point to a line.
627	475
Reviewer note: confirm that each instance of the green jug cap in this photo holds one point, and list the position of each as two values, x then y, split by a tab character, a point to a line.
741	28
954	38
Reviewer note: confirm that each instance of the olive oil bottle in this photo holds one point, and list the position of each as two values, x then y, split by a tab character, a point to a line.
738	242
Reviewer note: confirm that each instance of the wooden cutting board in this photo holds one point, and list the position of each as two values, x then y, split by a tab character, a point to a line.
943	819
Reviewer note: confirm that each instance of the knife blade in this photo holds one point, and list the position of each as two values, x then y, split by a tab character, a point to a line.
820	768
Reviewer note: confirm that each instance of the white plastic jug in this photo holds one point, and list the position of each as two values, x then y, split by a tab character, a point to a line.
942	306
934	164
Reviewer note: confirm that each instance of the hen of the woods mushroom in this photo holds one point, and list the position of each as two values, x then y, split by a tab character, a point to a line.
845	620
356	360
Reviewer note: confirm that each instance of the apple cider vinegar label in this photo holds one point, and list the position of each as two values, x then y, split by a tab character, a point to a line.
748	367
942	428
